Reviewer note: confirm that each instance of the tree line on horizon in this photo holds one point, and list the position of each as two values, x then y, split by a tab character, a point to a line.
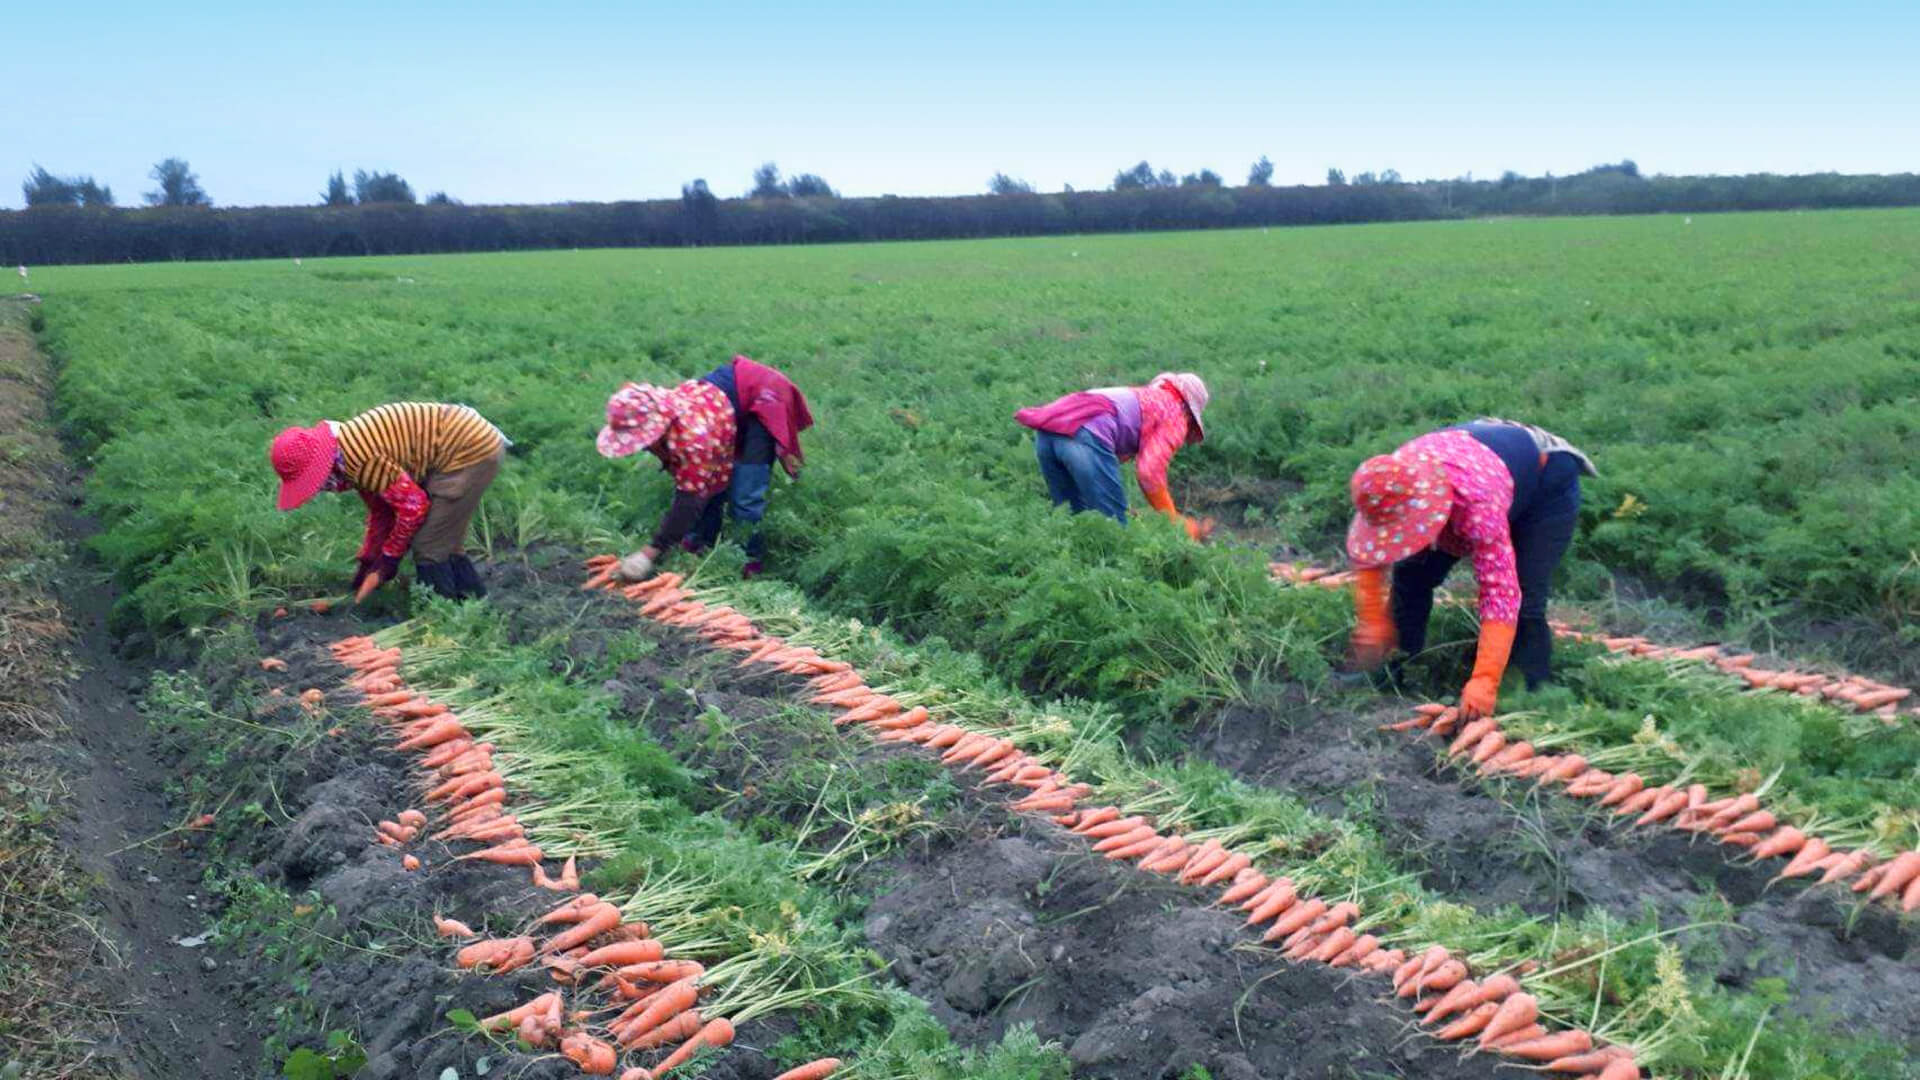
73	219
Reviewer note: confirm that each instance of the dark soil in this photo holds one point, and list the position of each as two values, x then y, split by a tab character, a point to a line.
999	919
1856	964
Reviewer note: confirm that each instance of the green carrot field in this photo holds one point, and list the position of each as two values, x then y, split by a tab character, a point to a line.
1749	386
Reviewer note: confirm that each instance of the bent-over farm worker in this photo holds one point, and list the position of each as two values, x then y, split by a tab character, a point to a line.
1083	437
1506	494
420	467
718	434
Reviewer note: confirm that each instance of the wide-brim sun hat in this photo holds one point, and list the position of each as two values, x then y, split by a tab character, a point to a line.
303	458
637	415
1192	390
1401	501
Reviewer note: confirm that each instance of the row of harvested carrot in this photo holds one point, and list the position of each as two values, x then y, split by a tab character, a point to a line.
1495	1012
1855	692
657	997
1738	820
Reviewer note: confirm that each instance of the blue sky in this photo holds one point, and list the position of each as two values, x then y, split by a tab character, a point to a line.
544	102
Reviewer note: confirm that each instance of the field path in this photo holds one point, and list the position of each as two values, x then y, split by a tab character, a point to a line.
178	1020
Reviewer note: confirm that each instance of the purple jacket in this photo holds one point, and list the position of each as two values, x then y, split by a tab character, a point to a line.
1111	415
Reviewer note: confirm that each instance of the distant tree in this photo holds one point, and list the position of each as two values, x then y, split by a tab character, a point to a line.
766	183
1261	175
1365	178
1203	178
42	188
379	187
178	185
1002	184
1390	176
1140	176
1336	178
702	210
1166	178
441	198
337	193
809	186
1510	178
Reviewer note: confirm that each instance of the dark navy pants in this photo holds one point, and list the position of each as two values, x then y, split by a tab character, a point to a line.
1541	535
1082	472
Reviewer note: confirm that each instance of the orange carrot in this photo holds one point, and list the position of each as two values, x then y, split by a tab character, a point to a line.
1758	822
640	951
672	1000
1807	858
1467	995
662	971
1471	1024
1623	788
1904	868
1784	841
515	854
1516	1012
1847	865
1119	840
596	920
1231	867
1280	897
500	954
1552	1047
1362	947
1663	808
410	862
512	1017
1112	826
1295	919
682	1027
452	927
1246	882
715	1034
1584	1063
812	1070
1621	1068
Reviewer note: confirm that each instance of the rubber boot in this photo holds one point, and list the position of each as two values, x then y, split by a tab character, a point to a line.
466	577
437	576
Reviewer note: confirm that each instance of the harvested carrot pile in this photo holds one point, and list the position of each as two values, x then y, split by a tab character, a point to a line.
1496	1012
619	991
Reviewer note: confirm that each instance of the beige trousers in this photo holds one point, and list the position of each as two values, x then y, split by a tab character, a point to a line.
455	498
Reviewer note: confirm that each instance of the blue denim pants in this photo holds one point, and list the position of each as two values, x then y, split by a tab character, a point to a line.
746	494
1082	473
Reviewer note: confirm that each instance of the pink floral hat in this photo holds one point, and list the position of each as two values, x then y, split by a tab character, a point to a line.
1192	391
637	415
303	459
1401	501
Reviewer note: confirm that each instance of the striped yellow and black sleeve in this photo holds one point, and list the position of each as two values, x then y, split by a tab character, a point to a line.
419	438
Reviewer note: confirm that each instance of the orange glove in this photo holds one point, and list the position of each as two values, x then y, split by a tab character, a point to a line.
1374	636
1162	500
1482	691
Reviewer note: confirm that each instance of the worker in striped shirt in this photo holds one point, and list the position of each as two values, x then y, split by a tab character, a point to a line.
420	467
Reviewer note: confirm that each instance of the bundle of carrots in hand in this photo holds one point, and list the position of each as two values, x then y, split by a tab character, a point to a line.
1736	820
1305	928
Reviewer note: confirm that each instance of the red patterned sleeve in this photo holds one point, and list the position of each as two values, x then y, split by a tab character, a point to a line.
379	524
409	505
1163	431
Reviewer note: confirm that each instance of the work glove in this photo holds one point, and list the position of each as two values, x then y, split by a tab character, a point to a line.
636	567
1374	635
792	465
1198	529
1482	691
377	571
362	567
